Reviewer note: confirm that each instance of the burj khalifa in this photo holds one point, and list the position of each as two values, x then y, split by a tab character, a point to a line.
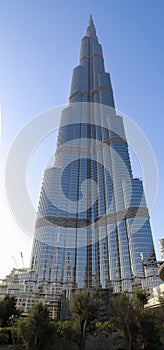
92	227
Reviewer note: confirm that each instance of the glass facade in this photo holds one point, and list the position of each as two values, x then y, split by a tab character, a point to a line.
92	226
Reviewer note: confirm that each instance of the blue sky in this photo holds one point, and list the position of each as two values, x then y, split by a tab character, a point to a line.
40	42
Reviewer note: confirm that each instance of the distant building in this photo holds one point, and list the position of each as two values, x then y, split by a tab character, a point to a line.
161	244
21	283
16	284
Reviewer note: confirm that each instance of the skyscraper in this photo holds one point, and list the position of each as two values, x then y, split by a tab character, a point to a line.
92	226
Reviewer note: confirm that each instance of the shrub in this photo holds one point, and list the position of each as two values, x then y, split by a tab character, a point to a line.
5	335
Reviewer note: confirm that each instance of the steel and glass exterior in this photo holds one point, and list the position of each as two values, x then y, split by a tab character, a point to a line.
92	226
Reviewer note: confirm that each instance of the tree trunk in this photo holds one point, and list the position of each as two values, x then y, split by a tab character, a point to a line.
82	335
82	343
129	341
84	328
12	334
35	342
130	344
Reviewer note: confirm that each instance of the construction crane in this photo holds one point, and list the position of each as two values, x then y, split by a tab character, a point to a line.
22	259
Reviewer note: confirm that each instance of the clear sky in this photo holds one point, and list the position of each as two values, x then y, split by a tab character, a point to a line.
40	42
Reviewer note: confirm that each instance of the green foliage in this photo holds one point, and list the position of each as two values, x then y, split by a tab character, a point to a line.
148	333
136	324
8	309
140	298
104	328
83	307
84	310
5	335
36	329
146	321
67	331
124	319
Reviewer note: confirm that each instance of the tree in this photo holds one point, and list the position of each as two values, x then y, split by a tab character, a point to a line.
36	329
146	321
84	309
136	323
8	309
140	298
67	334
124	319
12	323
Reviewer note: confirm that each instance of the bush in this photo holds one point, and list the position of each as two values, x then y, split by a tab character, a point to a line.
67	331
5	335
104	327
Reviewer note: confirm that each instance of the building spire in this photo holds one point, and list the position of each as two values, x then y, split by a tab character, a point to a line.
90	20
90	82
91	30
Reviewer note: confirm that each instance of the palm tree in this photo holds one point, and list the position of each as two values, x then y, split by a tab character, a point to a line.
84	309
